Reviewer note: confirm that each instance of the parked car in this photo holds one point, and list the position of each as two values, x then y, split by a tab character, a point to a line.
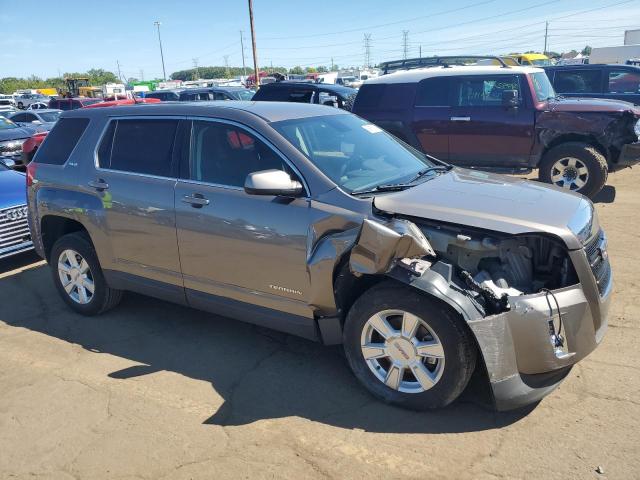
505	119
7	101
43	119
25	99
12	137
14	230
30	147
125	101
72	103
38	106
619	82
215	93
313	221
6	112
318	93
165	95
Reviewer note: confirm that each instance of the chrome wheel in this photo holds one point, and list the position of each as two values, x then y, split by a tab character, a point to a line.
75	276
570	173
402	351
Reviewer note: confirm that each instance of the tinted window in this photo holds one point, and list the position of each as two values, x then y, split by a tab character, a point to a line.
624	81
578	81
21	117
272	94
369	97
225	154
300	95
62	139
433	92
29	117
64	105
139	146
484	91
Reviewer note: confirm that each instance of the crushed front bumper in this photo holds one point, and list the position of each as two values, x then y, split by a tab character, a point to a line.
629	156
522	363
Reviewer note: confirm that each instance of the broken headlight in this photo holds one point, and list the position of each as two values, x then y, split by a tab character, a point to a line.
582	223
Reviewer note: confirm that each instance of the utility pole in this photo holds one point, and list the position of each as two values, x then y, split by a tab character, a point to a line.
244	68
367	50
546	35
141	75
226	65
164	73
253	44
405	44
119	74
195	65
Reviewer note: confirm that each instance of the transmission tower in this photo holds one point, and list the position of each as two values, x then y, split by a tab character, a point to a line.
405	44
367	50
195	65
226	65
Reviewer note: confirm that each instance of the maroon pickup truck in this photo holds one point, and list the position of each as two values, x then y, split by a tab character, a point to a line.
505	119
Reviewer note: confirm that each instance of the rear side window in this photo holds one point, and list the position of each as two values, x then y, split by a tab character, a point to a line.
61	141
578	81
433	92
624	81
481	91
369	97
138	146
272	94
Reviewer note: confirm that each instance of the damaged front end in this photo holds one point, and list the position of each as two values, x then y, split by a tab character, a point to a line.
534	307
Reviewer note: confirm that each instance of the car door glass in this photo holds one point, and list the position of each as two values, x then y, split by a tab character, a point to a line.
139	146
30	117
301	96
21	117
623	81
484	91
578	81
224	154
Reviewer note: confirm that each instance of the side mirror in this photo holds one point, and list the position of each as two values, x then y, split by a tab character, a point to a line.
510	98
272	182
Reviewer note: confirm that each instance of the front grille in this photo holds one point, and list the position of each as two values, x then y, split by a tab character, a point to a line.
11	148
596	250
14	230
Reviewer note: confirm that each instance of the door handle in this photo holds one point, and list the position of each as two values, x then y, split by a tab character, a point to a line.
196	200
99	185
460	119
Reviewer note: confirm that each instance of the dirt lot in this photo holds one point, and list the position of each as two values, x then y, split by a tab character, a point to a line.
153	390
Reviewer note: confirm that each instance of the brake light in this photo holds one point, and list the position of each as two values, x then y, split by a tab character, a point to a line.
31	174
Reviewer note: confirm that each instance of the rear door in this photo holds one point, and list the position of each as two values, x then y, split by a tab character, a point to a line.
483	132
623	84
431	116
134	181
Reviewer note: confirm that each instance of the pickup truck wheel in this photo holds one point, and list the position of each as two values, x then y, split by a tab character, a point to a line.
78	276
407	349
575	166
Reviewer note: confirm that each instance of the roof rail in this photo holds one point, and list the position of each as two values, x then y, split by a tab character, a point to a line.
446	61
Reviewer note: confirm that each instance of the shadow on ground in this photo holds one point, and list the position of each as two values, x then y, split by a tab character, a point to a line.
260	373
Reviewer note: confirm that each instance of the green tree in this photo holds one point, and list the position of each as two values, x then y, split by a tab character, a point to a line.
297	70
311	70
586	50
322	69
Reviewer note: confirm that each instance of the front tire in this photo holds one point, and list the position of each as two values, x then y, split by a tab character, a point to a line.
575	166
78	277
408	349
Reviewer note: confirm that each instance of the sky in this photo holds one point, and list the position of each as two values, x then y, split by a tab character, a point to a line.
291	32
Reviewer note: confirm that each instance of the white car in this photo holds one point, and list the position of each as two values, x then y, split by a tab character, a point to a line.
26	99
7	101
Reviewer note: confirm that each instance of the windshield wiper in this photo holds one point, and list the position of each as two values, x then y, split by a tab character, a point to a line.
437	168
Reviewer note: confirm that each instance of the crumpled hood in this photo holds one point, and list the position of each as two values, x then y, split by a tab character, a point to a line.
489	201
13	189
577	104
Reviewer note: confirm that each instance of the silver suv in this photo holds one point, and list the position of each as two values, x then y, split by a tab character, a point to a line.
310	220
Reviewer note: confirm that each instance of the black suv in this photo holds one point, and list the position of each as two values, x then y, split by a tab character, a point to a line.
215	93
301	92
619	82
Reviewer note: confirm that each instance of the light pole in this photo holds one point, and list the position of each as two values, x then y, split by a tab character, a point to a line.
164	74
253	45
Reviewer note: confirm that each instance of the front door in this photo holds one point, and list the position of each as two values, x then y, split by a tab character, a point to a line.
236	247
431	116
483	132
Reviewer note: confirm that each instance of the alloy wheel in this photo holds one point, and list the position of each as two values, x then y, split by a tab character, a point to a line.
570	173
402	351
76	277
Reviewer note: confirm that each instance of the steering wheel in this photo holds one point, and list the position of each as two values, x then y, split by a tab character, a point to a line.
353	163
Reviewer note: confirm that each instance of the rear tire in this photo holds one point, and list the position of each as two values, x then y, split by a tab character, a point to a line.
76	272
423	361
575	166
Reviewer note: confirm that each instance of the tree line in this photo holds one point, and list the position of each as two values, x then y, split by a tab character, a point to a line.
97	76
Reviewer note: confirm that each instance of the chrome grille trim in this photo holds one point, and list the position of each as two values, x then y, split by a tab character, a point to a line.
14	231
596	251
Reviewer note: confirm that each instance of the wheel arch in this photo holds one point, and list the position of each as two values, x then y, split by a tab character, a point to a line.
577	138
53	227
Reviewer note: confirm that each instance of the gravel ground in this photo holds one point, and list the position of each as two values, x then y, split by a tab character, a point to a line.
153	390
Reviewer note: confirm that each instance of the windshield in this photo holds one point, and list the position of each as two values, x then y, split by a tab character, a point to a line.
245	94
49	116
355	154
542	62
542	86
6	124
